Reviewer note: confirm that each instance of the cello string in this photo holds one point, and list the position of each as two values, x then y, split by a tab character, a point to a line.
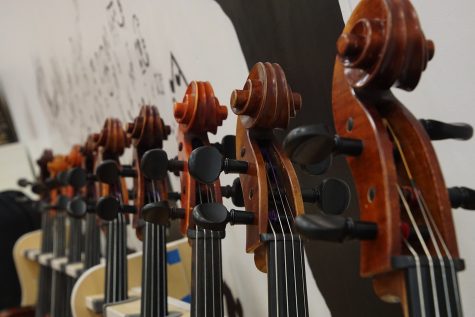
424	247
424	213
274	174
437	250
196	260
284	241
211	199
420	289
450	258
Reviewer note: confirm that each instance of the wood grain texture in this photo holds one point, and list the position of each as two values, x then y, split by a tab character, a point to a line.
27	270
383	46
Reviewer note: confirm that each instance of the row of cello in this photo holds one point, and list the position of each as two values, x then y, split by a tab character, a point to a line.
408	243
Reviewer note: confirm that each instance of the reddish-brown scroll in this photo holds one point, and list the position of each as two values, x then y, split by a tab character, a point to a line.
414	257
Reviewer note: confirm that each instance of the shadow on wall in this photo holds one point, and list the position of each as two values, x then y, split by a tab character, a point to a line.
7	129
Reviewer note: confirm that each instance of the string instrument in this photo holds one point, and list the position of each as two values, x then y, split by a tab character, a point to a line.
270	188
198	114
408	242
113	194
84	178
35	283
148	132
74	159
59	200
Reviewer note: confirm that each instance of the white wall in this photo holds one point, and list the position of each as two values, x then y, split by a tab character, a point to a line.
67	65
15	165
446	93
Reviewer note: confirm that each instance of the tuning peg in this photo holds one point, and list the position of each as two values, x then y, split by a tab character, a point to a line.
77	207
23	182
335	228
462	197
108	207
313	144
174	196
36	187
438	130
155	164
215	216
76	177
234	192
62	178
52	183
160	213
109	171
227	147
332	196
61	203
206	163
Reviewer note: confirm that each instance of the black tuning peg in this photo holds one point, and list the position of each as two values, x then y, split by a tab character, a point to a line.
313	144
155	164
76	177
160	213
108	208
332	196
36	187
206	164
77	207
174	196
462	197
438	130
215	216
109	172
227	147
234	192
62	178
23	182
60	205
335	228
